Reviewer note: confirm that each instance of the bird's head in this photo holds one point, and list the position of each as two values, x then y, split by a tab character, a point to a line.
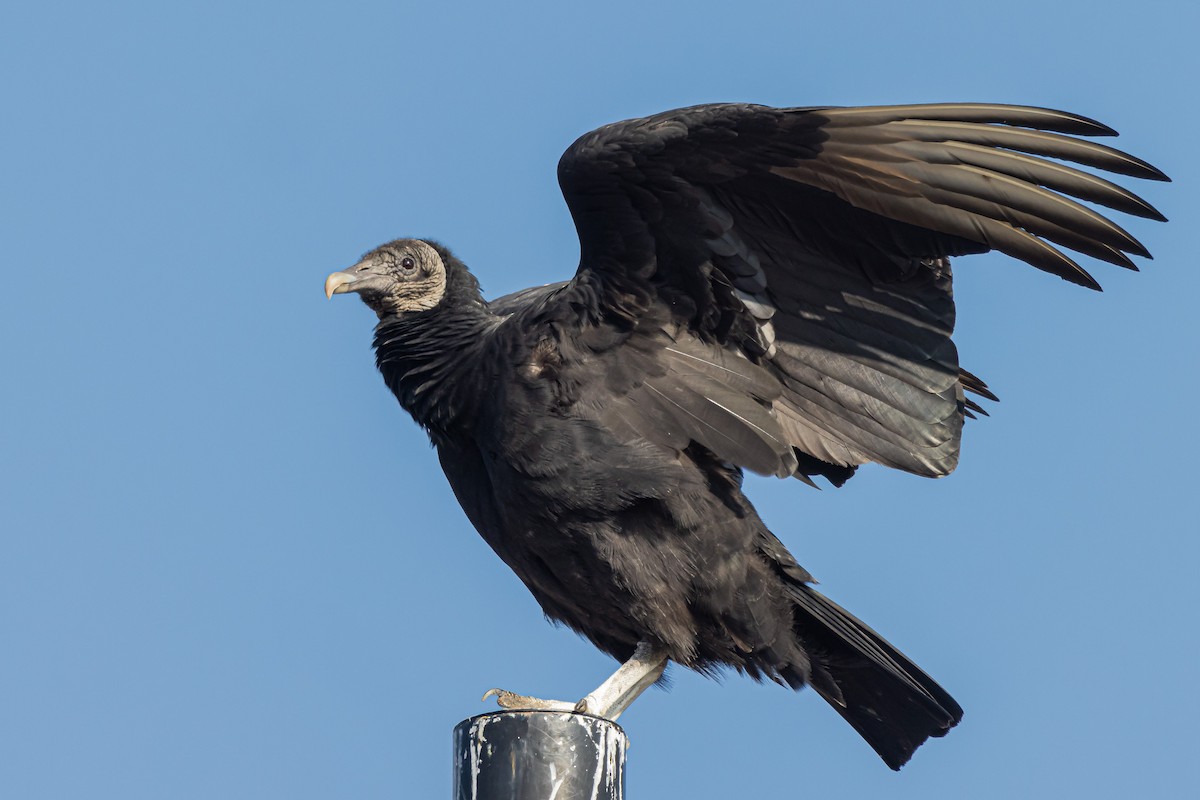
400	277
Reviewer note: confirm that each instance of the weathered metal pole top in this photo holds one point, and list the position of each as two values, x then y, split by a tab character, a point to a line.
539	755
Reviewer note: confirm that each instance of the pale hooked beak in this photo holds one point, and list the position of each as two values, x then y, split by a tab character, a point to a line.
338	283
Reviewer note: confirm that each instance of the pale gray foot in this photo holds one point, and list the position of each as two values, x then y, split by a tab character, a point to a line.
610	698
522	702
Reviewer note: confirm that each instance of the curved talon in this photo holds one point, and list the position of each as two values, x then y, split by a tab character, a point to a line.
507	699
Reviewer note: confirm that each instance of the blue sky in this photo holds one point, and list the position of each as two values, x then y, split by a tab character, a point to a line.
230	566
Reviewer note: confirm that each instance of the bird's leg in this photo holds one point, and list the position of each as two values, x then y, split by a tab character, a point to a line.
610	698
623	687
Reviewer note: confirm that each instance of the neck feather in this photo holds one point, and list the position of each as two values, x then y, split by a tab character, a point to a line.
434	362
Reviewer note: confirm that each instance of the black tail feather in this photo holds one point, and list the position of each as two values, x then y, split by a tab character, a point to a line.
892	704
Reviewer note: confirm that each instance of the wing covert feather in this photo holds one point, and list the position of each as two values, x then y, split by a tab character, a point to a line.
815	244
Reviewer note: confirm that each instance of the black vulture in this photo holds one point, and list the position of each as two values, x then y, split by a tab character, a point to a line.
758	289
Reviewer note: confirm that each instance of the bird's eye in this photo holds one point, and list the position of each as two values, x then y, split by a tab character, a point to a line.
408	264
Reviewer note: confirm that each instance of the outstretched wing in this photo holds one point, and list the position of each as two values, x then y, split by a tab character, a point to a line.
804	255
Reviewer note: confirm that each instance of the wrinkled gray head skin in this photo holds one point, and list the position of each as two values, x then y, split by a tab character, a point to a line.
400	277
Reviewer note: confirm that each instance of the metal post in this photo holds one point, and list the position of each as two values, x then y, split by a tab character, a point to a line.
538	755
